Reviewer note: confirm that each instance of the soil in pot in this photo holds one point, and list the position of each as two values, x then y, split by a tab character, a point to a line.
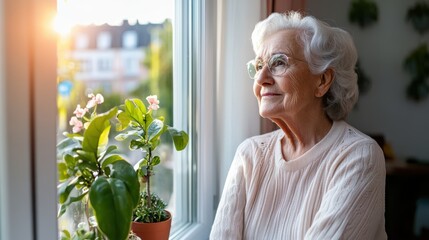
153	231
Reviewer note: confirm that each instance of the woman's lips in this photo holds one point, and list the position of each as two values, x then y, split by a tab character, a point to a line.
269	94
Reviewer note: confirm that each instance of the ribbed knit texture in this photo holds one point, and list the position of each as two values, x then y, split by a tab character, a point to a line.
333	191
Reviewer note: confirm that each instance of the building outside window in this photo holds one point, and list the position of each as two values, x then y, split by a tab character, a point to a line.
81	41
104	40
129	39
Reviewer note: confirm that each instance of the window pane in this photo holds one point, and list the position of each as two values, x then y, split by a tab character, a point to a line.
120	60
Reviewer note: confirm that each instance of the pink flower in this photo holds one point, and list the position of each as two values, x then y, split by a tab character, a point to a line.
95	99
80	112
153	101
76	123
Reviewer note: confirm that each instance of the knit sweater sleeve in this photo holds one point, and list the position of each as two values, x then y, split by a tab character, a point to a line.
229	220
353	206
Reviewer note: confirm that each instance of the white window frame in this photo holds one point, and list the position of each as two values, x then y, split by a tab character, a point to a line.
195	75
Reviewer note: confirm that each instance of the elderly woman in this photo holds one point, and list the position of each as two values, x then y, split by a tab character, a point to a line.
316	177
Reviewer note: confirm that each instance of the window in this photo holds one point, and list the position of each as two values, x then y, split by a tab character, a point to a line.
81	41
104	65
104	40
85	66
129	39
181	178
131	66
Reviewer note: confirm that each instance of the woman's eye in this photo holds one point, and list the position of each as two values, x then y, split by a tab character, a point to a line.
259	66
278	62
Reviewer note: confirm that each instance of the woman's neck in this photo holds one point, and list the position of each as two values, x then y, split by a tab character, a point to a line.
302	134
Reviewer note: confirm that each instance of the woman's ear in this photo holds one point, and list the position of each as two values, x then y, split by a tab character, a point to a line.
325	81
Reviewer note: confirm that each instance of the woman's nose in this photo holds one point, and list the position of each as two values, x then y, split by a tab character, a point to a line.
264	76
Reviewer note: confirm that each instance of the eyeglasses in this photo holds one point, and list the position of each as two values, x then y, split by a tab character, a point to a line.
277	65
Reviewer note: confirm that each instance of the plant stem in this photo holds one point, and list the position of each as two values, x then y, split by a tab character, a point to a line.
148	172
87	215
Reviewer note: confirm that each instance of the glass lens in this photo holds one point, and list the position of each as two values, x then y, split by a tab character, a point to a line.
251	69
278	64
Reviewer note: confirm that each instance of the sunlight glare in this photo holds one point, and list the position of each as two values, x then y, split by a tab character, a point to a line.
61	25
112	12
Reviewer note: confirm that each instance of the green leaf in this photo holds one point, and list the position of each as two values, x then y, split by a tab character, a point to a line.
107	152
155	161
123	136
66	234
155	129
124	121
62	172
86	156
62	210
155	143
140	105
124	171
136	109
74	136
148	120
70	161
67	144
180	138
96	135
70	200
111	159
112	206
64	190
136	144
142	163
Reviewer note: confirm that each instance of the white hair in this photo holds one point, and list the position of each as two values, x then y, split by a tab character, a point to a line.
325	47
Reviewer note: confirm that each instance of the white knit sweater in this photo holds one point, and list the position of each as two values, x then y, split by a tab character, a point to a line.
333	191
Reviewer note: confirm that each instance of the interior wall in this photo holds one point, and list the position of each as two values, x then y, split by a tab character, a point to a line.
237	109
382	48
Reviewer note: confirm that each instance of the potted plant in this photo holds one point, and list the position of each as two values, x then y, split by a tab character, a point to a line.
91	173
138	123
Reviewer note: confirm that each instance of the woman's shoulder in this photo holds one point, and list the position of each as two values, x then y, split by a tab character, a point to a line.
353	142
352	136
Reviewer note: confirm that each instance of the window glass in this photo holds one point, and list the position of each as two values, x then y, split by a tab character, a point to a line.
104	40
81	41
129	39
107	57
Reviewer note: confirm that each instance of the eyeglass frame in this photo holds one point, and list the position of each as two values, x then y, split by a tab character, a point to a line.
252	63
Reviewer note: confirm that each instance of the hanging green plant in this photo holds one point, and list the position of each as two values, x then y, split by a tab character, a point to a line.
418	15
363	12
417	64
364	82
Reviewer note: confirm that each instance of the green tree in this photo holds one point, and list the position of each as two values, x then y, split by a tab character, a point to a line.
159	61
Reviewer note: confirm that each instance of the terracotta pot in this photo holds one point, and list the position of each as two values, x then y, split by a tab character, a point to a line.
153	231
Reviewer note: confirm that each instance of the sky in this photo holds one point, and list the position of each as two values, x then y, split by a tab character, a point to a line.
113	12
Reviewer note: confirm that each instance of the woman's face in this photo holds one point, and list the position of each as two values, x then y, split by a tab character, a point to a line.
292	93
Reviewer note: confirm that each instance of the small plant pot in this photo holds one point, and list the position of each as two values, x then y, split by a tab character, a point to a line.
153	231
